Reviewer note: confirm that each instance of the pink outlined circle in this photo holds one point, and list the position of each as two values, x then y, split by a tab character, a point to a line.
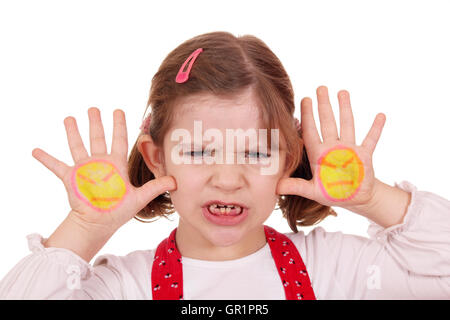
83	198
322	187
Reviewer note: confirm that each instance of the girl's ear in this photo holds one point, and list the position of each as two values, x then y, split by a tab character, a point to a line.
153	156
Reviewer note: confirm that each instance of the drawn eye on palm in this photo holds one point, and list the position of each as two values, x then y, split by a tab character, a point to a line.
340	173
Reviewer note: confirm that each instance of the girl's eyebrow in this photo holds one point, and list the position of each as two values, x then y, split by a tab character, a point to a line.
185	144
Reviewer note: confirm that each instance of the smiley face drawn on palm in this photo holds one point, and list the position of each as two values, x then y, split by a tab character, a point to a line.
99	185
341	173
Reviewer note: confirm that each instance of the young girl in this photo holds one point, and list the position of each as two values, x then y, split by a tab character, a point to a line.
221	248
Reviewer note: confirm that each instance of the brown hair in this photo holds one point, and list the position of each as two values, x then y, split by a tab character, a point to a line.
228	65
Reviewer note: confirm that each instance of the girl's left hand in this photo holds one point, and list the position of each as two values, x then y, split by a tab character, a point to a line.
343	174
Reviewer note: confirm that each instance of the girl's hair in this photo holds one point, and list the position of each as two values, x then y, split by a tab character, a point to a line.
227	66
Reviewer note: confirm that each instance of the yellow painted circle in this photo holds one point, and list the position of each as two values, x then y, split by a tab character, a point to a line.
341	173
99	184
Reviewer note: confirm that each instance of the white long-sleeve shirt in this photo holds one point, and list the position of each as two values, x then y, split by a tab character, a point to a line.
410	260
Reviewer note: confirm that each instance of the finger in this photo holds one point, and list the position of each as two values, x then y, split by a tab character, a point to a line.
374	133
154	188
309	130
120	137
347	124
96	132
59	168
326	116
76	145
296	186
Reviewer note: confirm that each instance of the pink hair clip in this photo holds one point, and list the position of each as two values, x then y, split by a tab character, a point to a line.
145	126
183	76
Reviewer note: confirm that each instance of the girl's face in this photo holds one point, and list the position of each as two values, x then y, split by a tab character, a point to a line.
198	184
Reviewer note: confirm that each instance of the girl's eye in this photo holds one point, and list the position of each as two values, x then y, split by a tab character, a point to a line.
258	155
195	153
209	153
199	153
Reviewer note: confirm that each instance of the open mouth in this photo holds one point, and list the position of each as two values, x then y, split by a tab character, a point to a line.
225	214
224	210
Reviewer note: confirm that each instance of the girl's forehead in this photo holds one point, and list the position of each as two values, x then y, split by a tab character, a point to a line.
242	96
242	110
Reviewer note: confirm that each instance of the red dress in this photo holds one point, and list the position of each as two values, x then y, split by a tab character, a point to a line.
167	270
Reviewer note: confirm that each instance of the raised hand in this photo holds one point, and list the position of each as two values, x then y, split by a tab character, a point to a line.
97	185
343	173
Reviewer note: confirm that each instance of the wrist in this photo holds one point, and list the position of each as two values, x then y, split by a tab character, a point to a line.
371	204
387	206
83	239
90	229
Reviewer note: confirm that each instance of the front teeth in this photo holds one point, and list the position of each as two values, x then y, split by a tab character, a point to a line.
215	208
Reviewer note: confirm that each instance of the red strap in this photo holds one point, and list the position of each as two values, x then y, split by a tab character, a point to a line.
167	270
290	266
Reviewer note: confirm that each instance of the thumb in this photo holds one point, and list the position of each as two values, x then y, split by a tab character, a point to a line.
296	186
154	188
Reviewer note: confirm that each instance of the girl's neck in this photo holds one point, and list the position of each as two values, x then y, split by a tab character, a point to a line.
192	244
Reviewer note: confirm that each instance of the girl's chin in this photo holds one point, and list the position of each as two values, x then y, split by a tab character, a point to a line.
224	236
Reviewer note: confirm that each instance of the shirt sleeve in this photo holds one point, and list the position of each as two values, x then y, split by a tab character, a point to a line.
57	273
410	260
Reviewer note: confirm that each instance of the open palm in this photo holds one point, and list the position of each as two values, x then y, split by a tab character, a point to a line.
97	186
343	173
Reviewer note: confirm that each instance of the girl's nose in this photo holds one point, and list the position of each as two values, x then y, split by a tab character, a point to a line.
228	177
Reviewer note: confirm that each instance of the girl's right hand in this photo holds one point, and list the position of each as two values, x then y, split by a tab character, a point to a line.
99	191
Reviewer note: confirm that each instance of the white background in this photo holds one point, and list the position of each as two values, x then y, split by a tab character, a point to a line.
58	58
